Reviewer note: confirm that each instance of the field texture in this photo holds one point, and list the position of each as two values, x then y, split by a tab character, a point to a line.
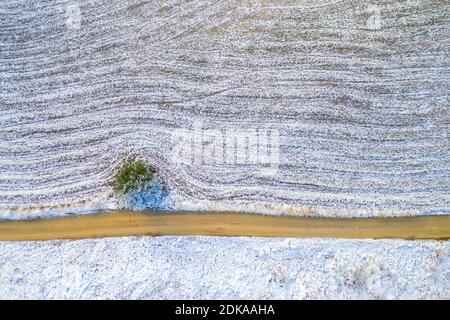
225	268
354	94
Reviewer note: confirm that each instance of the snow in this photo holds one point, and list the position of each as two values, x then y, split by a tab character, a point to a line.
225	268
85	85
359	104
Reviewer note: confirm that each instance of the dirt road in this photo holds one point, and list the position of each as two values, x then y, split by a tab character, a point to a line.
127	223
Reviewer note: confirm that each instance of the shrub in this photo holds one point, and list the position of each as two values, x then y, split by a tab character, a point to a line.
133	176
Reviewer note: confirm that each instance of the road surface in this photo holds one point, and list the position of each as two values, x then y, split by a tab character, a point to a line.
128	223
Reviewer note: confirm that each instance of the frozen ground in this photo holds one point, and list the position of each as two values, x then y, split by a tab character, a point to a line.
354	93
357	90
214	267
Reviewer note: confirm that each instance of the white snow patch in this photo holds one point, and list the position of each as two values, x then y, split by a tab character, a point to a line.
224	268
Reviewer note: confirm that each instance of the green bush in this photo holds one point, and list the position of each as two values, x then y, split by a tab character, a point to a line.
133	176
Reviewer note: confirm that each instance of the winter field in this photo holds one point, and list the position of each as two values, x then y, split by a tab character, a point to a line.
225	268
350	97
336	108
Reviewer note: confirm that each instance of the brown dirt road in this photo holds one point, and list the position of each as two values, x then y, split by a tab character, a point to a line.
128	223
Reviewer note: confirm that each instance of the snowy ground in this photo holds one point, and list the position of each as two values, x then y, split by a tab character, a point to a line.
215	267
353	92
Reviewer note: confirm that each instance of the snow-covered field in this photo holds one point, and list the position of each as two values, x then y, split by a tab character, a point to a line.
215	267
350	97
354	92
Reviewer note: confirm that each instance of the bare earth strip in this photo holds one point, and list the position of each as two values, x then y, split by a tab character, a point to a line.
128	223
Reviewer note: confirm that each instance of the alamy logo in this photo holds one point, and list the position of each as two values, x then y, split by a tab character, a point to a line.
374	20
228	146
73	16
